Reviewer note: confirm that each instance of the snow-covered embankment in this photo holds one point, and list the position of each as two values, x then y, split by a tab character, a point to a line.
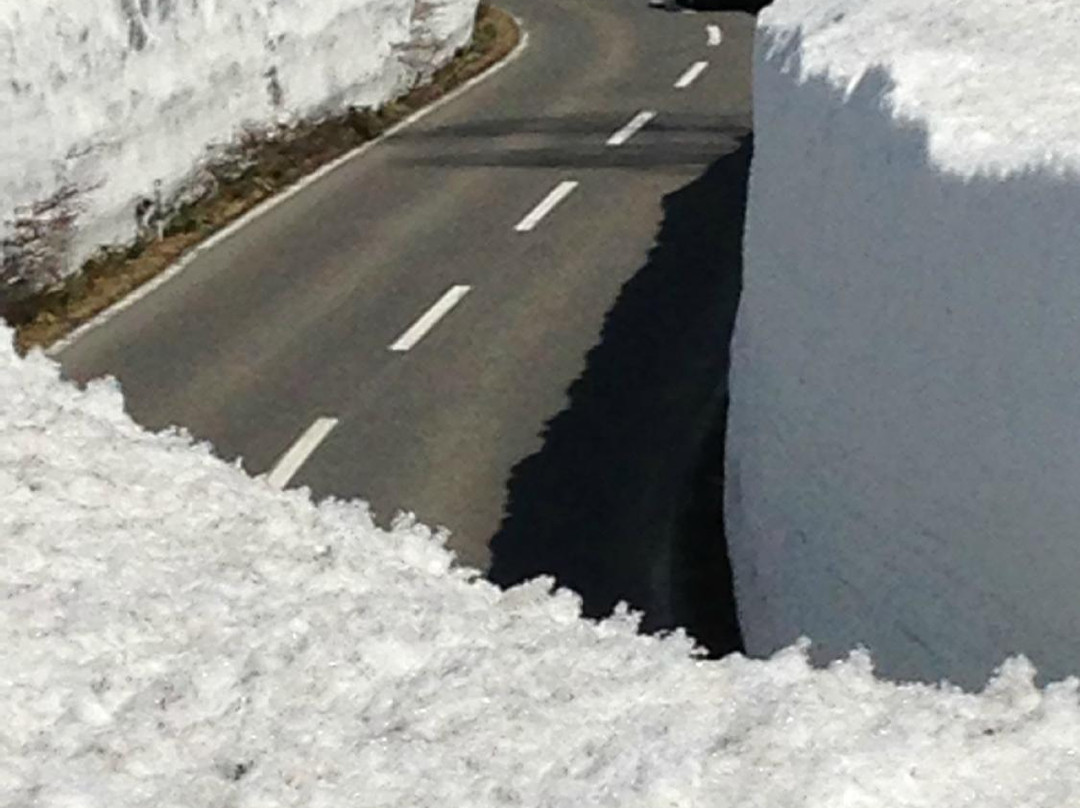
106	102
175	633
902	460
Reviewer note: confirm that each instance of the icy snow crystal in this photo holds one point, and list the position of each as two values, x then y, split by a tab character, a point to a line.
175	633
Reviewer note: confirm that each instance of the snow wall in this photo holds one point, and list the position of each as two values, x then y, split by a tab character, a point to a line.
176	633
902	462
106	102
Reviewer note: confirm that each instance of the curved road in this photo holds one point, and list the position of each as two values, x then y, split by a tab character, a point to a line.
294	317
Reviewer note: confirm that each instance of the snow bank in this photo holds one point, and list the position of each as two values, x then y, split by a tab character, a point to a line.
105	102
176	633
905	380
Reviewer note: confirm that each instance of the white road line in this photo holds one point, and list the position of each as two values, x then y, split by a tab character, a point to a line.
637	123
299	452
687	78
547	204
715	34
429	318
263	208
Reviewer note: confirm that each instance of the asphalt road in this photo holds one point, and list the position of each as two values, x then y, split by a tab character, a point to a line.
523	387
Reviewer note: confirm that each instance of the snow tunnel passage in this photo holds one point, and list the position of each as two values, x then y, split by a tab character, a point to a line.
624	501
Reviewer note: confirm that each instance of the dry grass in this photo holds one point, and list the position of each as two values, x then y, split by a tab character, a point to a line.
270	164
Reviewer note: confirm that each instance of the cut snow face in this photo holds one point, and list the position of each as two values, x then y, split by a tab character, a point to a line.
902	467
176	633
109	102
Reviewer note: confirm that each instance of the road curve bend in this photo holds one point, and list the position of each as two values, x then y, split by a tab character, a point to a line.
408	328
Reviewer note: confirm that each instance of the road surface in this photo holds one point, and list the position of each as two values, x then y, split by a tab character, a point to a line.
505	310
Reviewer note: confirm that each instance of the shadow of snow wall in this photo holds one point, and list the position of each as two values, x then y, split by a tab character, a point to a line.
623	501
905	394
109	102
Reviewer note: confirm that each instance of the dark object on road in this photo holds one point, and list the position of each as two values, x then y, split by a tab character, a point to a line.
749	6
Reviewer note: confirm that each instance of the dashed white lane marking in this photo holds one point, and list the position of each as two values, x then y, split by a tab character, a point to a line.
547	204
299	452
691	74
716	36
637	123
429	318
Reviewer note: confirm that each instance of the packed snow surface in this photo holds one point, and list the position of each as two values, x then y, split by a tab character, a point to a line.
902	466
176	633
996	83
120	100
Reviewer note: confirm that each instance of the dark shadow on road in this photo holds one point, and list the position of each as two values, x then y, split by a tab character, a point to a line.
584	157
595	126
624	500
574	141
